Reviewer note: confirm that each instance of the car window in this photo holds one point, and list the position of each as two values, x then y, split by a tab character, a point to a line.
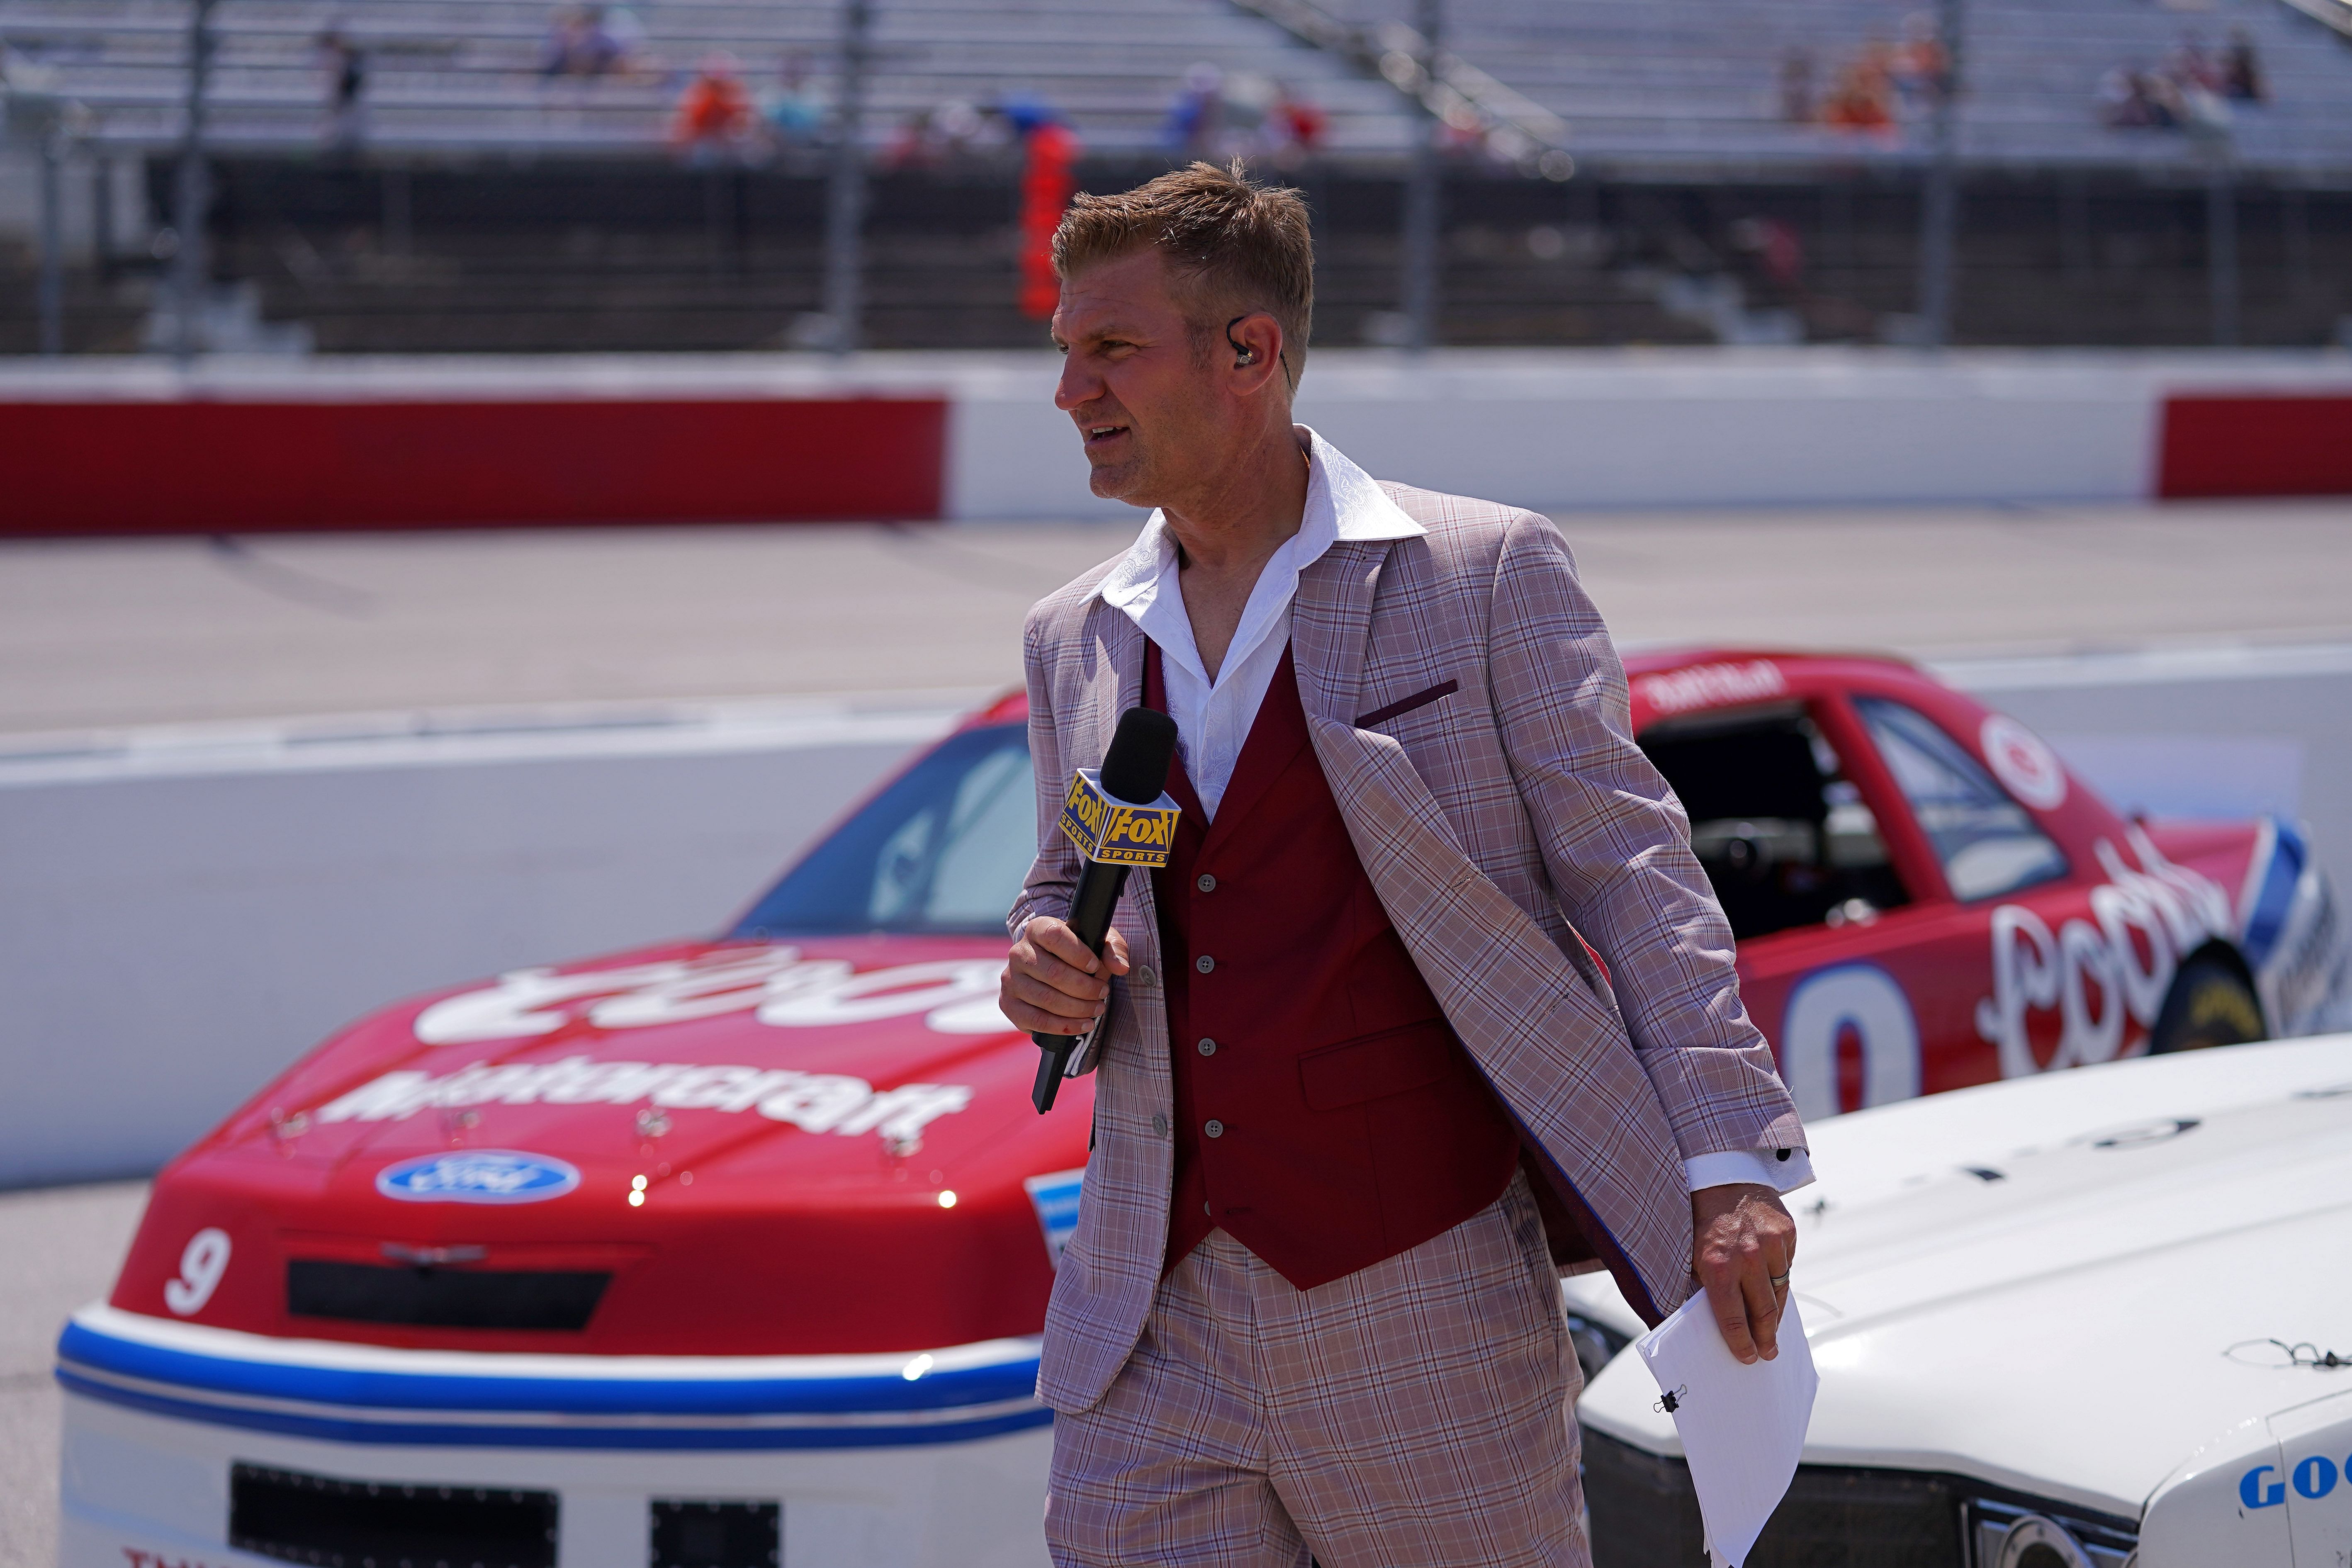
1784	836
942	850
1988	843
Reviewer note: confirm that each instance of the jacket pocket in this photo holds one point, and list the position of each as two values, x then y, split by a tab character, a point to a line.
1404	706
1372	1067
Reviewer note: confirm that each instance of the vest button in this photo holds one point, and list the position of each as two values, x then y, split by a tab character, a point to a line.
1144	976
1215	1129
1207	883
1204	963
1208	1047
1160	1125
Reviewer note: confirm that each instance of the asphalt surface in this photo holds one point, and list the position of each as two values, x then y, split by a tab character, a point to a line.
119	634
136	632
61	1248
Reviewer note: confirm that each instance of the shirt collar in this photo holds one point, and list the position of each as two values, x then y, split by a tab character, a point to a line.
1343	503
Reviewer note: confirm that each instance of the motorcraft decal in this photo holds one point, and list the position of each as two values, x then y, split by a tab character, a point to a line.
478	1176
814	1102
2171	910
776	984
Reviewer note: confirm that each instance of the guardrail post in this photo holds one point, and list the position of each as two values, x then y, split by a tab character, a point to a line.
1422	220
846	195
1939	203
2221	251
192	195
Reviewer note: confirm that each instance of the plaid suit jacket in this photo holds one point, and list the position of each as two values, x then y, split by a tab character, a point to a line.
1496	821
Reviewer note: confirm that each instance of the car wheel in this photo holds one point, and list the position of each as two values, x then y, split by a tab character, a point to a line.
2209	1005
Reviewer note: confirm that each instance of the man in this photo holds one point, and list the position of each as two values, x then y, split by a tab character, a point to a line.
1362	1089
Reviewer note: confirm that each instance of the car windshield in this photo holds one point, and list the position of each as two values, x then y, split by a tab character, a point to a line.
942	850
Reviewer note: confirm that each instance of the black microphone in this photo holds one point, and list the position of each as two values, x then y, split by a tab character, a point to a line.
1118	818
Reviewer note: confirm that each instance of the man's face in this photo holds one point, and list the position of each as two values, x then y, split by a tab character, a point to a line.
1153	413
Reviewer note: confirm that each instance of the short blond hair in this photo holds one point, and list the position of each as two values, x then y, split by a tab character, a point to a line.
1235	244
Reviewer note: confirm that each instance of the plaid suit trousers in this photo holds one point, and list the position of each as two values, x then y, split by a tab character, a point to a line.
1418	1412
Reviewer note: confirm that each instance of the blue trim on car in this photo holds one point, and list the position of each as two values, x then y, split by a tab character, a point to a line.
546	1395
364	1405
2267	919
426	1434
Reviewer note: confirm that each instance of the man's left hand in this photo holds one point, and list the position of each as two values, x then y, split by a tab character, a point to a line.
1742	1242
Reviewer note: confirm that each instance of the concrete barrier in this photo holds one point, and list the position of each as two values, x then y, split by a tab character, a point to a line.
186	912
236	446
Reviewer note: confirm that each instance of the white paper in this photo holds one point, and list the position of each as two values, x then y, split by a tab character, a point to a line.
1743	1427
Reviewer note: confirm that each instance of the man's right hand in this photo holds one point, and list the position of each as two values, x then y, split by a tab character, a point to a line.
1052	984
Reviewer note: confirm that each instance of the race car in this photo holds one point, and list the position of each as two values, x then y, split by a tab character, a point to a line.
2086	1319
733	1252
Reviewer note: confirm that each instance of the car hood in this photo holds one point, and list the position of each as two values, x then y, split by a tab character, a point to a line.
789	1147
2067	1284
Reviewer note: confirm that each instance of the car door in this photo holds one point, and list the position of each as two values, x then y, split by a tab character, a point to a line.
1984	976
1825	918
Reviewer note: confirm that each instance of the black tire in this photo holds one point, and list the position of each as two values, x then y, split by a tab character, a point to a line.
2210	1005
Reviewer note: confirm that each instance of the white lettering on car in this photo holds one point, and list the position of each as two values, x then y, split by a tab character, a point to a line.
2173	908
776	983
1711	685
815	1102
202	1263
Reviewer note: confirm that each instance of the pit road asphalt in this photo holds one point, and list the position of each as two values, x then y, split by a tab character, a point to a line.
104	634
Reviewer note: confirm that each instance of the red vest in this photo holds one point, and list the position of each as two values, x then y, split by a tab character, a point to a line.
1326	1118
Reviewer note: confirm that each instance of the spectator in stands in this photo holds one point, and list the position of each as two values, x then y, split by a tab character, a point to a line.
1196	116
1797	86
714	118
2241	69
1920	67
1299	125
581	42
1861	98
2123	101
793	111
345	67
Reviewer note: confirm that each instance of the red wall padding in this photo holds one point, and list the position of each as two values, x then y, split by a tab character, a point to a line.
2256	446
237	467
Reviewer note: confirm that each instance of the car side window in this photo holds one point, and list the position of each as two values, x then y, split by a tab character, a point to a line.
1784	836
1987	842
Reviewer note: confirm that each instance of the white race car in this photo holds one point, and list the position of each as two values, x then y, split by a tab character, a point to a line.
2088	1320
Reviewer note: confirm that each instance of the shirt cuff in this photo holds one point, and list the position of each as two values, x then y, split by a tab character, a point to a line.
1784	1171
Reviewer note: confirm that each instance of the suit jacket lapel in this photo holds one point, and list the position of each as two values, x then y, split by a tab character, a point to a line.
1331	624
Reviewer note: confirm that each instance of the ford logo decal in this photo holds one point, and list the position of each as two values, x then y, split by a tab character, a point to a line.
478	1176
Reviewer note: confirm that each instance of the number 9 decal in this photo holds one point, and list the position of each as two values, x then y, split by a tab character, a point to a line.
202	1265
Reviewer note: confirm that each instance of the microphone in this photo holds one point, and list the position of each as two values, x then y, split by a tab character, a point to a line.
1119	818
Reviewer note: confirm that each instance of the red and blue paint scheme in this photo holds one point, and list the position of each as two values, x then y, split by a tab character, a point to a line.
764	1227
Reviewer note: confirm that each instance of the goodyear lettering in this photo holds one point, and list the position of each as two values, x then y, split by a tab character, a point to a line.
2315	1476
2256	1493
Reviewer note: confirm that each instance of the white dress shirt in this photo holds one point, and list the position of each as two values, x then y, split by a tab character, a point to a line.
1213	715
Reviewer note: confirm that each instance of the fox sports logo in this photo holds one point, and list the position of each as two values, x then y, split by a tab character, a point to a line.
478	1176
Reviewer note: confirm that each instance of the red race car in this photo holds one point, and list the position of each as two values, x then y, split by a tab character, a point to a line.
734	1252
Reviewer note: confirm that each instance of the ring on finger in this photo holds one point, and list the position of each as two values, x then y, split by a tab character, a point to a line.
1778	1281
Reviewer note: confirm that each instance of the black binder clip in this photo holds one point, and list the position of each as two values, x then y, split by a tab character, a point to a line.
1672	1399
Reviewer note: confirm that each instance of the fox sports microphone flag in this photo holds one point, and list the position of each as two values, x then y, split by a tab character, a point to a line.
1119	818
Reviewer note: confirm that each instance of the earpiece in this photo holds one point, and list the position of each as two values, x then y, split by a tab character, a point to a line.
1244	356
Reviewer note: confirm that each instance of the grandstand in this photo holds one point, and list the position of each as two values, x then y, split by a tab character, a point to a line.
485	205
463	75
1640	80
1697	80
